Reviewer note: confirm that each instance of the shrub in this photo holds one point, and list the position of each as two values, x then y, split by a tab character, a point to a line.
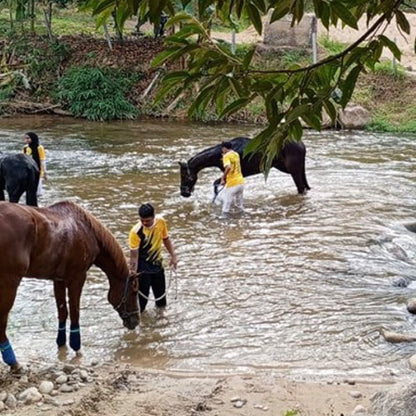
386	67
96	94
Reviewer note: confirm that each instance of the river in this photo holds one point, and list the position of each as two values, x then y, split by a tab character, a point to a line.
300	285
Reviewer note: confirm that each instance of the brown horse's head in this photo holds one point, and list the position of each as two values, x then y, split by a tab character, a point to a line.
188	179
124	300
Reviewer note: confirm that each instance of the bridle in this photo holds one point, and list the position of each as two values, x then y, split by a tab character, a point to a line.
133	280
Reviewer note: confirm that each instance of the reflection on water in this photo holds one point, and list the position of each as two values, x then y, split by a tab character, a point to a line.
299	284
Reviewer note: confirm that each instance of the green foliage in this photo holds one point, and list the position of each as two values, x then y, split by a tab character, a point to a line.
295	94
7	92
332	47
41	61
96	94
291	413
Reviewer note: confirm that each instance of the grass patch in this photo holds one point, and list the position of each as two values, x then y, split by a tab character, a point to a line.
332	47
65	21
386	67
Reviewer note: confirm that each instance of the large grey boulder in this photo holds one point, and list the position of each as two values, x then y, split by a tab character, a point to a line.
281	34
353	117
399	401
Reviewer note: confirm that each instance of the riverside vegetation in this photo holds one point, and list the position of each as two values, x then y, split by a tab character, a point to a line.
76	73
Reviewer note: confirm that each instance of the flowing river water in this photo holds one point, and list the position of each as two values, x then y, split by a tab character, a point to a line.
299	285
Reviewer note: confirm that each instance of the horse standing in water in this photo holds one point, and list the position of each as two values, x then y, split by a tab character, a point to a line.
18	174
60	243
291	159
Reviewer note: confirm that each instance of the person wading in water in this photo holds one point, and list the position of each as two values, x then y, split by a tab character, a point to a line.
36	150
232	179
145	242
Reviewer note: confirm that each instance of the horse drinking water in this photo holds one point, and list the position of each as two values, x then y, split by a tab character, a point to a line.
291	159
60	243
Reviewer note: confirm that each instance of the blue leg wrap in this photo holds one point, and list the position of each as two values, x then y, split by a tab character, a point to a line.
61	338
7	353
75	337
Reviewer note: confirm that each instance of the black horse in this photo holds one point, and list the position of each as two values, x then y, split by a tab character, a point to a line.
18	174
291	159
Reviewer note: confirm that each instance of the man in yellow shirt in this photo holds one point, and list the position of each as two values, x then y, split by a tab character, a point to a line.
145	242
232	179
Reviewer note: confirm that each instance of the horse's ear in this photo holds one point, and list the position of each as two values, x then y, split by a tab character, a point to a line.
182	164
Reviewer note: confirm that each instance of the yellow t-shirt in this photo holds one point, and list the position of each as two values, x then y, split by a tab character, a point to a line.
149	243
42	156
41	151
234	176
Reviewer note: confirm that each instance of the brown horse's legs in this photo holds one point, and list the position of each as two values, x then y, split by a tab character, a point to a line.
59	289
8	295
74	292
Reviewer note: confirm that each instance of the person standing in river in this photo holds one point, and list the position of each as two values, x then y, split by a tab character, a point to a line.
232	178
36	150
145	243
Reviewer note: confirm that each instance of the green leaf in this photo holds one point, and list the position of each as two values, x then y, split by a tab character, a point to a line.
391	45
295	130
330	110
298	112
235	106
201	100
179	18
313	119
176	76
344	14
281	9
254	16
248	57
103	5
349	84
261	5
171	54
402	22
298	11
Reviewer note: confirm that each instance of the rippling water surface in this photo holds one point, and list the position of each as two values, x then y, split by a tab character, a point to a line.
301	285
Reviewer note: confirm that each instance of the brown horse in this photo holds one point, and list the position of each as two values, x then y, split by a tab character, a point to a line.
60	243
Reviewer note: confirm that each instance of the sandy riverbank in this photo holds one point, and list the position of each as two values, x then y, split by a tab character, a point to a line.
117	389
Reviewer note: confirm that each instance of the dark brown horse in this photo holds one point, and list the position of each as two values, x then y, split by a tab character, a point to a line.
60	243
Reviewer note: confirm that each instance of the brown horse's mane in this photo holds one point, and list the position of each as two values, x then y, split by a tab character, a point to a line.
105	238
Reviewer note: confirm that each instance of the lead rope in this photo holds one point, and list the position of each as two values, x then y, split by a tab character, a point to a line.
172	276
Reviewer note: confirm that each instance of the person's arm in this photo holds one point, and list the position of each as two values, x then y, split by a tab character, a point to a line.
169	247
43	169
134	245
42	158
134	259
224	176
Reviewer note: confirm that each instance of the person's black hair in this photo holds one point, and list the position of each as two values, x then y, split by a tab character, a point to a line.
34	144
146	211
227	145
